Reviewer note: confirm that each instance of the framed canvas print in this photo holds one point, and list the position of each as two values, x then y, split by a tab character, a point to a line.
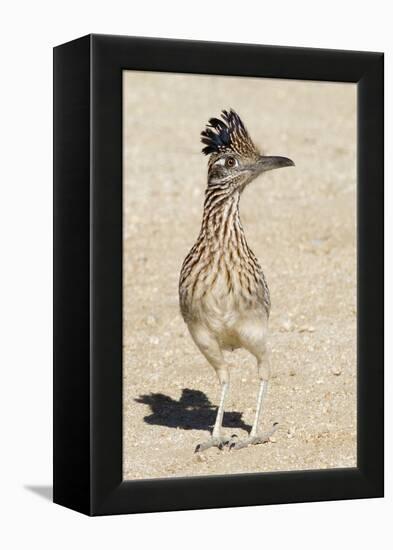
218	275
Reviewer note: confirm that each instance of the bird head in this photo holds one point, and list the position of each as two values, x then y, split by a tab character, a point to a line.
234	159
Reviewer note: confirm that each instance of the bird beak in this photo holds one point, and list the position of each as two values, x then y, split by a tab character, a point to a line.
264	164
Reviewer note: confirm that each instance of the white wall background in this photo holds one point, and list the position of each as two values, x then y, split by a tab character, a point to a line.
28	32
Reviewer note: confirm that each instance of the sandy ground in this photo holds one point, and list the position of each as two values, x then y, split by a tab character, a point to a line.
300	222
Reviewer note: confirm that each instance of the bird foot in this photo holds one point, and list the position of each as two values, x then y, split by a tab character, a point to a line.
219	442
253	439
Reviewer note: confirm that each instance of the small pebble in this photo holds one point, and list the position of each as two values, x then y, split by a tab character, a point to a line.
272	439
291	433
336	371
286	324
151	321
201	458
306	328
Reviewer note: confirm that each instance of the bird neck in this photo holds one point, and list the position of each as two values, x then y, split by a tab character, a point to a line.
221	223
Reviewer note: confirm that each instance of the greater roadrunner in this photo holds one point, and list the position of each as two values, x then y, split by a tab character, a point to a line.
224	297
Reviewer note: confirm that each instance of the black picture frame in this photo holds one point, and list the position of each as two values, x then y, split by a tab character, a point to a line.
88	274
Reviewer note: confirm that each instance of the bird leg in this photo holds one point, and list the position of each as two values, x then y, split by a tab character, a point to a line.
255	438
217	439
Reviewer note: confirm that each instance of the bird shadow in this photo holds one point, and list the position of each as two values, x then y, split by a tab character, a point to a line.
193	411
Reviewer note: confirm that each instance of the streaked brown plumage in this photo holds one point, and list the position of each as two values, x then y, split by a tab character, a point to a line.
224	297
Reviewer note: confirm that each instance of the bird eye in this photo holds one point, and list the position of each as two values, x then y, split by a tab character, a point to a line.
230	162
